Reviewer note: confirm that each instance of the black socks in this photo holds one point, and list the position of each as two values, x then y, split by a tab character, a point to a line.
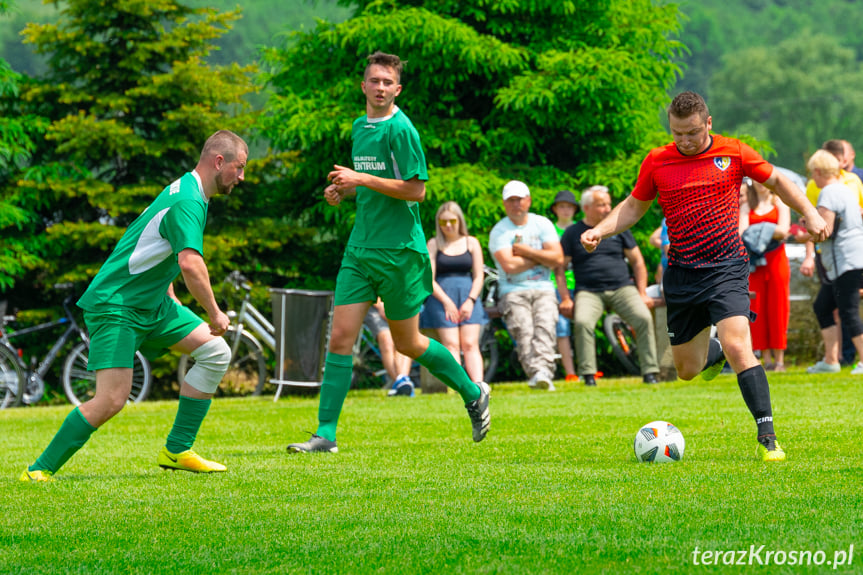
756	393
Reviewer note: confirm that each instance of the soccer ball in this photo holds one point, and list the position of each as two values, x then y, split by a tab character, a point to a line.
658	442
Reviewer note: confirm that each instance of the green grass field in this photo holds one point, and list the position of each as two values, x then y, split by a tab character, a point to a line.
553	489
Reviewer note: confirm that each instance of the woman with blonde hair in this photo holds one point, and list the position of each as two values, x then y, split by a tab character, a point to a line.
454	309
843	262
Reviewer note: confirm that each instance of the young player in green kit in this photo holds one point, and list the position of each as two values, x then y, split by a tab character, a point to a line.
386	254
130	306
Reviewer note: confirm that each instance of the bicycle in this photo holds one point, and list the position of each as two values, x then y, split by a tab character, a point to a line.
11	375
368	369
368	366
79	385
249	327
622	339
488	346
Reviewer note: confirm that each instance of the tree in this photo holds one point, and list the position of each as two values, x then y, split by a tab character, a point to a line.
715	28
540	90
128	103
796	94
16	146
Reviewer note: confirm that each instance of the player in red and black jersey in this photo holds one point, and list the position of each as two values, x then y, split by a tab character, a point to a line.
697	180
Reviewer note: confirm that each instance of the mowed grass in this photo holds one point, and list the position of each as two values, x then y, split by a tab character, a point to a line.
553	489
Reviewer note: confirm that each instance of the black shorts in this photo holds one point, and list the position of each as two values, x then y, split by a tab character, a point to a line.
699	298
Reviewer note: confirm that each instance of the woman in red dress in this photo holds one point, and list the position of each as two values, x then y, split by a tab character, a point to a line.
771	276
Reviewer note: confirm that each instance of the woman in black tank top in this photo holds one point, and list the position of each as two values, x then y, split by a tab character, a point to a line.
454	309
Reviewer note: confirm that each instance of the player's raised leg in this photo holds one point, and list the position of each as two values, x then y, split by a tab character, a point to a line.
440	362
690	358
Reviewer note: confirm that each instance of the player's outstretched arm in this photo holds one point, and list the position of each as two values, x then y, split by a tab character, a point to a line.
345	178
621	218
818	229
198	282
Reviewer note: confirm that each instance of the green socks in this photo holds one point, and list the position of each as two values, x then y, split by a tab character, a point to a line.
440	362
334	389
190	415
76	430
337	381
71	437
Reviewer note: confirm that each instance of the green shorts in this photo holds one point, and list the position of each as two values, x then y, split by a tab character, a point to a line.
116	333
401	278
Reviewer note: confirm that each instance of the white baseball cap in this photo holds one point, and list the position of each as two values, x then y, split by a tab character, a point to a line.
515	189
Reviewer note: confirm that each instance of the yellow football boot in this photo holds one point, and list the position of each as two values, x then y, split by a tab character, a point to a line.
775	454
38	475
187	461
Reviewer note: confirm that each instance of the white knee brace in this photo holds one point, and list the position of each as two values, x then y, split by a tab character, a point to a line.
211	362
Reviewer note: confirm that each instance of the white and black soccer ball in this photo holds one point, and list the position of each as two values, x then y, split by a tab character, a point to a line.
658	442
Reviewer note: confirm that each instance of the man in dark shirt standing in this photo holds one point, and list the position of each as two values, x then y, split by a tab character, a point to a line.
604	282
697	180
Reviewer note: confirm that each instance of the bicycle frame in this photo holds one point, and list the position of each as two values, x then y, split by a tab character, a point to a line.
365	339
257	324
54	352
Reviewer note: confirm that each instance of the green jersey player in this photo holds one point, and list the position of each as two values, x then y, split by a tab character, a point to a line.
386	255
130	306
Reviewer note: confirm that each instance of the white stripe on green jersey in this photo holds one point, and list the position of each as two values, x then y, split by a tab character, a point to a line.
144	262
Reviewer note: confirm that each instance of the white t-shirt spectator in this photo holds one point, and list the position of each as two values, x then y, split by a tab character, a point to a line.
844	250
537	231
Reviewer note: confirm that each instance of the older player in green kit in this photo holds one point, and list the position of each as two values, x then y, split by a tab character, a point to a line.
130	305
386	254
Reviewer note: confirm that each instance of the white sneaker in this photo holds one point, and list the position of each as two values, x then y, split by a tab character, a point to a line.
822	367
858	369
542	380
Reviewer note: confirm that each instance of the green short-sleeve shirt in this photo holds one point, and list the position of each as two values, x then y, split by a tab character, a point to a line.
389	148
570	277
144	262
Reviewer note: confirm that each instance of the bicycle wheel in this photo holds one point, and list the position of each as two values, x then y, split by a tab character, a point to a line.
622	340
368	370
80	384
11	379
247	372
489	351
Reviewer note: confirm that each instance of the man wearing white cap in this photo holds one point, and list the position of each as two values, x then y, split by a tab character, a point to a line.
525	248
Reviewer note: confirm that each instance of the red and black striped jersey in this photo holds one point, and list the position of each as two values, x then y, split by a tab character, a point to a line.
700	197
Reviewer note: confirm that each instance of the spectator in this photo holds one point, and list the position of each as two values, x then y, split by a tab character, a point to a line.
604	282
526	248
843	263
851	180
398	366
850	156
812	262
764	224
564	208
452	309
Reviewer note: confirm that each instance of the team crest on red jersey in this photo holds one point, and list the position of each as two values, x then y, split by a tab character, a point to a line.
722	162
